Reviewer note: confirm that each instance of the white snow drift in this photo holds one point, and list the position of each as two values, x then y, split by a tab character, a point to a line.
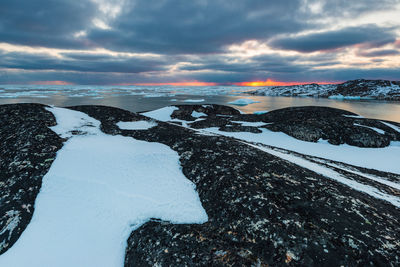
98	189
383	159
136	125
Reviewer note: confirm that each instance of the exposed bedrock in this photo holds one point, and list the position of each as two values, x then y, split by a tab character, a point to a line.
27	150
262	210
305	123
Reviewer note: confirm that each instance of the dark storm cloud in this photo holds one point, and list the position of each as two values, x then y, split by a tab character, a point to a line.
366	35
198	26
206	26
262	64
88	63
49	23
169	26
196	32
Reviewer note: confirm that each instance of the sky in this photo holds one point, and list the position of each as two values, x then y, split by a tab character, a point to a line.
198	42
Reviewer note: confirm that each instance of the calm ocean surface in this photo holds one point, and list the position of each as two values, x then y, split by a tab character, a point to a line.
136	98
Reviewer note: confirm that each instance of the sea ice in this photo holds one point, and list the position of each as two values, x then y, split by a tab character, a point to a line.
193	100
243	102
260	112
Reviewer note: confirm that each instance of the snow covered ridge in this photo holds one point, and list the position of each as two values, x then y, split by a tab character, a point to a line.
276	187
351	90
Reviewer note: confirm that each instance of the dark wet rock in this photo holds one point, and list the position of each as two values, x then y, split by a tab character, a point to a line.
262	210
308	124
185	111
334	125
27	150
239	128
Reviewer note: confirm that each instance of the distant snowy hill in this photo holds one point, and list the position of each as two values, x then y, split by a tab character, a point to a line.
355	89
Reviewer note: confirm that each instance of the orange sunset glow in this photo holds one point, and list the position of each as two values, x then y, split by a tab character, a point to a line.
51	83
270	82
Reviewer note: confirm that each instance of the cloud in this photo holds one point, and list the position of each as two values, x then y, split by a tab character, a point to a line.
198	26
190	40
44	22
346	8
81	63
366	35
379	53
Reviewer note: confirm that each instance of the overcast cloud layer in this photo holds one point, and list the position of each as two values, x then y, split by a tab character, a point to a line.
151	41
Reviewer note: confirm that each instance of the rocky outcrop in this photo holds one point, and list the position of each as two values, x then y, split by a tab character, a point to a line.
305	123
262	210
355	89
377	89
27	150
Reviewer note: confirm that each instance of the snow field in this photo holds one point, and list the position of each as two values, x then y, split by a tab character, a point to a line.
98	189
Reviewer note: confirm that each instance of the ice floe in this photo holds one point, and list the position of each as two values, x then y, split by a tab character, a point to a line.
243	102
193	100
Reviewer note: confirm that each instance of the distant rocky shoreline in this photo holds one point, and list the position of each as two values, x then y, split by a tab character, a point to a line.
352	90
264	208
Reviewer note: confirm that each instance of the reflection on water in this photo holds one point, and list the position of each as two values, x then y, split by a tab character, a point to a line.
370	109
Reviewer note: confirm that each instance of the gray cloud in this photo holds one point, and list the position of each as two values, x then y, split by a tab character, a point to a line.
367	35
195	31
198	26
270	64
44	22
379	53
81	63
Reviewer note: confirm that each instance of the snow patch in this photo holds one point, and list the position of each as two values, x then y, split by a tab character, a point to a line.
354	116
251	124
383	159
370	190
98	189
136	125
394	127
162	114
196	114
380	131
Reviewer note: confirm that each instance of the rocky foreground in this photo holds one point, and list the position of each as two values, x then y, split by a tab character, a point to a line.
355	89
265	206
